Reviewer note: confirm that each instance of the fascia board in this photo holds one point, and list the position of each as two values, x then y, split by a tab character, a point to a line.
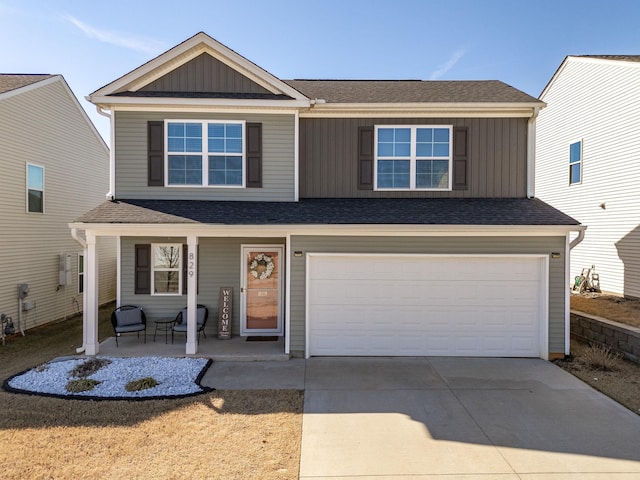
219	230
554	77
424	109
121	103
186	51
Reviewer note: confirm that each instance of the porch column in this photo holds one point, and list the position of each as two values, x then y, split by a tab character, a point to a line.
91	296
192	298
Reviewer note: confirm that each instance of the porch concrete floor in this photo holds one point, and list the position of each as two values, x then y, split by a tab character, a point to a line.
236	349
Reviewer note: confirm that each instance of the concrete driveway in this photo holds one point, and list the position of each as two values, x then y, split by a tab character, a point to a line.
450	418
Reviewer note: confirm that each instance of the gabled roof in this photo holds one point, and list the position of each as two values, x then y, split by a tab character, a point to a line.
183	53
335	211
13	81
411	91
631	60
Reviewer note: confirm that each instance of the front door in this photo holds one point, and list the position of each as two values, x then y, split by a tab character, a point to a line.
261	290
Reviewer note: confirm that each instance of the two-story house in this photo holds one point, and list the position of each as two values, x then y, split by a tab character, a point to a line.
54	166
587	147
352	217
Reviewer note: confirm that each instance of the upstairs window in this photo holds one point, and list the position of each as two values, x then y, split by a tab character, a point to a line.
205	153
575	163
413	157
35	189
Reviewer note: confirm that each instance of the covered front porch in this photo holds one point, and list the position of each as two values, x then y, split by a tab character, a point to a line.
235	349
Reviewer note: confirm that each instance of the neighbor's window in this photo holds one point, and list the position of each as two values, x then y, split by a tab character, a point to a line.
166	262
80	273
413	157
35	188
575	163
205	153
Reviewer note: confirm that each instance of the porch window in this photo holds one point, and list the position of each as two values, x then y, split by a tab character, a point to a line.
35	188
205	153
80	273
166	264
413	157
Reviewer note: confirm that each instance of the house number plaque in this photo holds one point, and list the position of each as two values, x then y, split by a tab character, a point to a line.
225	306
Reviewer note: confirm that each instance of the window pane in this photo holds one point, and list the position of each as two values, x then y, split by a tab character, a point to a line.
216	130
185	170
424	150
441	135
225	170
432	174
234	163
193	145
402	150
440	166
385	180
440	149
233	130
393	173
225	137
401	166
385	149
35	201
175	144
424	135
166	282
574	173
193	130
574	152
35	177
166	256
184	137
234	177
385	135
402	134
175	129
216	145
385	166
234	145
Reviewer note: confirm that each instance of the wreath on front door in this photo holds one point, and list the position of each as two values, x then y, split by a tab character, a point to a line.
261	266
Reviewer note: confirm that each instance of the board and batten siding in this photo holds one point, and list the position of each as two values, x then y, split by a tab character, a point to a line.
204	74
277	159
219	266
45	126
431	245
597	102
329	157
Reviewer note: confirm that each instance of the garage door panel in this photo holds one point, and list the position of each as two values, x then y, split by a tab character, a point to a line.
424	305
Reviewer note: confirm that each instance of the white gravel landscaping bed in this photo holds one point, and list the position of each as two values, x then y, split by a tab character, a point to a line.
176	377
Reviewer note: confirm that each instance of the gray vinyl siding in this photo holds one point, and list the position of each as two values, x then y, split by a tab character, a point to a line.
204	74
329	157
277	159
45	126
219	266
431	245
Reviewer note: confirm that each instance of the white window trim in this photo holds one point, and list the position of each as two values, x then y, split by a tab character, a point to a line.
204	153
27	188
81	274
178	246
581	162
412	160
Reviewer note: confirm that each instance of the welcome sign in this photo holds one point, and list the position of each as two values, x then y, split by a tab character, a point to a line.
225	306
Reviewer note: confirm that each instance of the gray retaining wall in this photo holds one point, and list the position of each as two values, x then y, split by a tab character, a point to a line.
618	336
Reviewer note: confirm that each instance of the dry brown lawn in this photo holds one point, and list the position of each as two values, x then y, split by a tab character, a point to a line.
612	307
222	434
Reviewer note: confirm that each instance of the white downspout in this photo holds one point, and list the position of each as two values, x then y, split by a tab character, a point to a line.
112	164
83	244
531	153
567	300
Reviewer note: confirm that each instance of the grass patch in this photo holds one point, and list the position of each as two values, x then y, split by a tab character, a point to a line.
599	357
141	384
81	385
89	367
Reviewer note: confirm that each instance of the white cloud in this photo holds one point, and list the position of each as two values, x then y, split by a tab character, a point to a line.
445	67
138	44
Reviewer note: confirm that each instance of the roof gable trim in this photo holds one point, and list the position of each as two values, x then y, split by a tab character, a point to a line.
188	50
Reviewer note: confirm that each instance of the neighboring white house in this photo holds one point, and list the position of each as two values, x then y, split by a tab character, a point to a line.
54	166
588	162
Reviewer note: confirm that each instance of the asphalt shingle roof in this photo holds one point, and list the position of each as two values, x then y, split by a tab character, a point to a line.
11	81
339	211
411	91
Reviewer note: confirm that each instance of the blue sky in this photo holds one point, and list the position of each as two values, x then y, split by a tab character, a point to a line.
521	43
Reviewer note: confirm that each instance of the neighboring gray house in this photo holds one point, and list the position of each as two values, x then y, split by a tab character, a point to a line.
351	217
54	166
588	146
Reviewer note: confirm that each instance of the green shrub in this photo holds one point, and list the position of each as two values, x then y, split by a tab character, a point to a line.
141	384
81	385
89	367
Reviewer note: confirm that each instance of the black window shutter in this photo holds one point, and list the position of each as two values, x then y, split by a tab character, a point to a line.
254	155
185	265
365	158
460	158
143	269
155	148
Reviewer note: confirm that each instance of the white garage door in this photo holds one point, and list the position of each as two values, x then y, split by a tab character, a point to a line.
407	305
